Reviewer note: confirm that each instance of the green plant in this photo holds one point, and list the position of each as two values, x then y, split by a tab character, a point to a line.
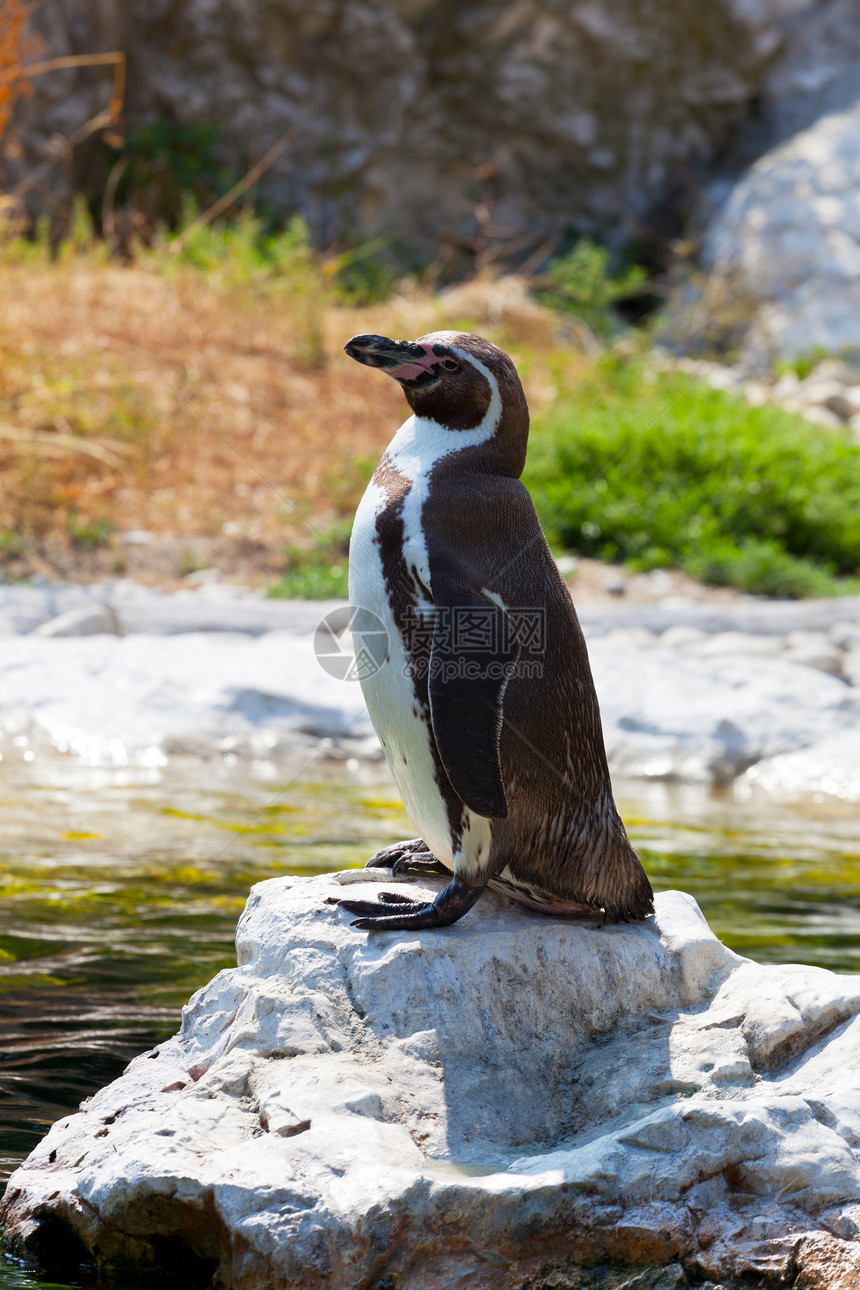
13	545
664	471
360	275
191	563
162	166
280	265
803	364
89	534
582	282
319	571
80	238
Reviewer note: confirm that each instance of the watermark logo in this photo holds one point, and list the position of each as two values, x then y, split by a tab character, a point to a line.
452	642
476	629
351	643
473	669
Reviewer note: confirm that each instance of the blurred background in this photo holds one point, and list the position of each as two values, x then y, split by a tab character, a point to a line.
654	207
199	203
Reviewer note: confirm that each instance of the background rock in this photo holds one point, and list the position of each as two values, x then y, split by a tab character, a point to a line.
688	691
470	1105
414	115
784	251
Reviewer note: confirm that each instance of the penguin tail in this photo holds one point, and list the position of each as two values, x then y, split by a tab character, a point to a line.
624	890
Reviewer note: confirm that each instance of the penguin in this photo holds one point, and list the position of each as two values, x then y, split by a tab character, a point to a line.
484	703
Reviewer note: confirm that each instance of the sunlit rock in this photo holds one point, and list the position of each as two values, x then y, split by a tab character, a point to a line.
512	1095
828	768
695	693
783	250
709	711
88	620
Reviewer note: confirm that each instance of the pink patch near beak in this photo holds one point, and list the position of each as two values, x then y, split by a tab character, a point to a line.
409	371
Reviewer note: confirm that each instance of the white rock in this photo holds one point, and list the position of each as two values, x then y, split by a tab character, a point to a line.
115	700
673	714
615	584
203	577
567	565
829	767
821	416
682	637
851	666
814	649
851	400
756	392
845	635
786	240
822	658
89	620
827	394
785	387
739	643
469	1107
833	369
630	637
701	702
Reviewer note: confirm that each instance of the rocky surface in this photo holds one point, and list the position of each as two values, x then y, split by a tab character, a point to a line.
783	251
484	1106
762	694
432	123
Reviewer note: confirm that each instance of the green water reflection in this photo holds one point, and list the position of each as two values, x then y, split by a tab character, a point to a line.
120	891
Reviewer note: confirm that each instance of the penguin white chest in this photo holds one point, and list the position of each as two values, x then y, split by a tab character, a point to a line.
401	722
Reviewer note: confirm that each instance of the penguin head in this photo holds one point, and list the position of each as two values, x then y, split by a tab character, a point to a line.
456	379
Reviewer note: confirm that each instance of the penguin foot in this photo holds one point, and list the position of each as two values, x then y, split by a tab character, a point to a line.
388	857
394	912
426	864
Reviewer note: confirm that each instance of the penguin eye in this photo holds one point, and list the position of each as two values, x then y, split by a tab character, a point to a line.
450	365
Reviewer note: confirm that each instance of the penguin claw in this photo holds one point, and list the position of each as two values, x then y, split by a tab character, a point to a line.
420	915
387	899
411	915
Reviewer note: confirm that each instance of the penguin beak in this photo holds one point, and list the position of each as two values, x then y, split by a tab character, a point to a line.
405	360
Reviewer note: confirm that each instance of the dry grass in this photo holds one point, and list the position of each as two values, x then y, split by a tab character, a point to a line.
157	399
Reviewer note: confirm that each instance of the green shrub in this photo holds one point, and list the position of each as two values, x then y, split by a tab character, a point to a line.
361	275
89	534
166	163
802	365
664	471
245	249
279	266
318	571
582	282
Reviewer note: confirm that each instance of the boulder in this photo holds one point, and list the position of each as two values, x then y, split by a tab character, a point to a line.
783	251
487	1106
470	124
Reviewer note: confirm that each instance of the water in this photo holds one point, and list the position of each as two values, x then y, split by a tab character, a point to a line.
120	891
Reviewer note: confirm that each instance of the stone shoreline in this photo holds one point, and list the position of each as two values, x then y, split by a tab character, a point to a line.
764	695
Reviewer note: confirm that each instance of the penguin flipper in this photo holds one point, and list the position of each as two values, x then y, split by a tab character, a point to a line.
473	653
